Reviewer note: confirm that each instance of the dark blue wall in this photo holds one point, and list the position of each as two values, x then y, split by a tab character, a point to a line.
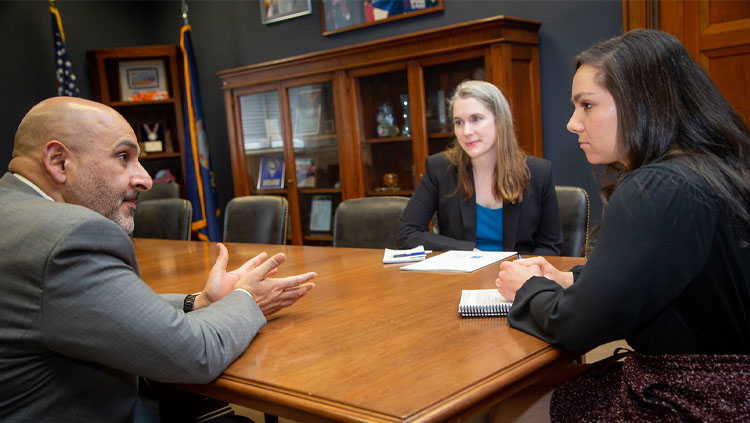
229	34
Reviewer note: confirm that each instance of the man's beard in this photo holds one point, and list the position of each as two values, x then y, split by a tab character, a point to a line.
90	192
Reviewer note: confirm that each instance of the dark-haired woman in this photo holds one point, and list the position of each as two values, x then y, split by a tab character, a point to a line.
487	193
670	269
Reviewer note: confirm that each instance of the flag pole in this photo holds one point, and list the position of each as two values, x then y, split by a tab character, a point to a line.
66	79
184	12
200	186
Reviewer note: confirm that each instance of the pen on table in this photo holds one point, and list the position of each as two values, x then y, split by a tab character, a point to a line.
418	253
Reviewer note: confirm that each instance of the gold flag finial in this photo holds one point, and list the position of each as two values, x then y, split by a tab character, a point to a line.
184	12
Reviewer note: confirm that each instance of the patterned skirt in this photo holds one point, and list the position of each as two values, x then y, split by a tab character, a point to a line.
632	387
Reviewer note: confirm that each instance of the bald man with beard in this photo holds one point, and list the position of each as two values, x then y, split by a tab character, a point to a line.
78	325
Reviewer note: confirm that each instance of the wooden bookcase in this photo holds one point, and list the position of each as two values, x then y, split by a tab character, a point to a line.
342	119
155	68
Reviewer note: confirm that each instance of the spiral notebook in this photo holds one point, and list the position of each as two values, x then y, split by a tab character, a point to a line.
482	303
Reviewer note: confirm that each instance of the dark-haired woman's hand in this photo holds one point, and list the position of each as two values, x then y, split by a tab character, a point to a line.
564	279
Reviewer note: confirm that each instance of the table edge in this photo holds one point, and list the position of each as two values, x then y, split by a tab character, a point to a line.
301	407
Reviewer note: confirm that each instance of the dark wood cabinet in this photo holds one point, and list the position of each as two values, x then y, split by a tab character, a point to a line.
144	84
360	120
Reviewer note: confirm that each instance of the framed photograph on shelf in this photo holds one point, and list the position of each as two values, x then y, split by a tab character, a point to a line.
305	172
339	16
279	10
321	207
271	173
328	127
143	80
151	135
306	111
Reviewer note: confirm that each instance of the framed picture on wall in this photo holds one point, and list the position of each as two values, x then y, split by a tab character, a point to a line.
278	10
339	16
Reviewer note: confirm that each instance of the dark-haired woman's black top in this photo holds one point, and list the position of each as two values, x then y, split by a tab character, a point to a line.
531	226
667	273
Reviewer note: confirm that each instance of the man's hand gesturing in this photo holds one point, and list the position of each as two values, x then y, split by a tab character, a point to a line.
273	294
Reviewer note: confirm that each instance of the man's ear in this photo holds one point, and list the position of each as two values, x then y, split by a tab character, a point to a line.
56	158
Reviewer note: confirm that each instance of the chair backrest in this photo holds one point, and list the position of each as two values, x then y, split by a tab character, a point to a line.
257	219
161	190
574	220
166	218
370	222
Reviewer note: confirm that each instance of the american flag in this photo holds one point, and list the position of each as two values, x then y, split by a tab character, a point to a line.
66	79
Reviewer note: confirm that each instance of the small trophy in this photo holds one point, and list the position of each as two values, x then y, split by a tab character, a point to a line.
390	180
385	120
152	136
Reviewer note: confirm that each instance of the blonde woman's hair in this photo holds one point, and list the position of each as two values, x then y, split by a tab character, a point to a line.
511	173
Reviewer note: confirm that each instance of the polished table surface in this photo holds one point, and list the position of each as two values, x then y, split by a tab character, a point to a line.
369	344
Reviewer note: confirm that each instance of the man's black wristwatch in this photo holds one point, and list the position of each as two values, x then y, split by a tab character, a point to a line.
187	306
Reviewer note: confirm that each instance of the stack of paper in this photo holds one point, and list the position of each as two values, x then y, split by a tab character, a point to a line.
404	256
460	261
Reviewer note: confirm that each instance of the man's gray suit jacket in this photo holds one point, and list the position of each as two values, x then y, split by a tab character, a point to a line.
77	324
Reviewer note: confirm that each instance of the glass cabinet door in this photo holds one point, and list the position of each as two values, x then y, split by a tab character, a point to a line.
262	141
387	156
291	149
440	81
316	158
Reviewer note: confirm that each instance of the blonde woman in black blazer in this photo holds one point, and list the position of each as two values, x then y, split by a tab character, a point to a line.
484	168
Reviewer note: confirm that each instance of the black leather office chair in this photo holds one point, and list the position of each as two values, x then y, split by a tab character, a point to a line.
370	222
257	219
166	218
574	220
160	190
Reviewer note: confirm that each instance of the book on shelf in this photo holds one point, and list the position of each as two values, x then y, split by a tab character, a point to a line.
459	261
483	303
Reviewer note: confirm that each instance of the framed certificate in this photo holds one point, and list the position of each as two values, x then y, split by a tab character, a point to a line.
320	213
271	174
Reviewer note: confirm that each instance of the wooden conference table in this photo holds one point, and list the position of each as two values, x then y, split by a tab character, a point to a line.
369	344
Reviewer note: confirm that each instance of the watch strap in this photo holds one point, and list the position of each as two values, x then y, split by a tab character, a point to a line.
189	303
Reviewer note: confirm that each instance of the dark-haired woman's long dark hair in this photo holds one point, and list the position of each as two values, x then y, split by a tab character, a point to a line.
669	109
